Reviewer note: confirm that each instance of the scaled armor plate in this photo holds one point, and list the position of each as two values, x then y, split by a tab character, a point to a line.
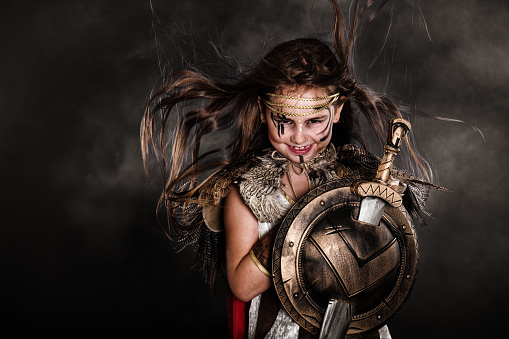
322	252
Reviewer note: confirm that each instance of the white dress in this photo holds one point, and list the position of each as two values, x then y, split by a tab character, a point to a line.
284	326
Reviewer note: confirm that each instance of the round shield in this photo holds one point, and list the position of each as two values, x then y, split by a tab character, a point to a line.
323	252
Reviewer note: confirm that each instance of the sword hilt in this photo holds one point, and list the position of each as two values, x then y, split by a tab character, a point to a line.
398	128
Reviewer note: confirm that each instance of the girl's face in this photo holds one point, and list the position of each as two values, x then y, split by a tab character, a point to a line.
300	138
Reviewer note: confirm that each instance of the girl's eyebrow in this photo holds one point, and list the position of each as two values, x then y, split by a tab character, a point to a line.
321	116
284	117
281	117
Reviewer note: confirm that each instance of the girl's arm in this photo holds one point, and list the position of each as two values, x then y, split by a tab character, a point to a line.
245	279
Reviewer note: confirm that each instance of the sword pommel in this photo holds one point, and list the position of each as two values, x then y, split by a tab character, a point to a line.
398	128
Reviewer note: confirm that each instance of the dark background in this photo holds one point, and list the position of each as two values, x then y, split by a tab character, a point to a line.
81	253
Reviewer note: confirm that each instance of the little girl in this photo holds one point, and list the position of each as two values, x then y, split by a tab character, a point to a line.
292	120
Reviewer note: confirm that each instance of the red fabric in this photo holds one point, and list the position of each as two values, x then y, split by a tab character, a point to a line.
237	317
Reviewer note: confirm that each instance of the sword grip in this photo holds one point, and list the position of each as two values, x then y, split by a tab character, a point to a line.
398	128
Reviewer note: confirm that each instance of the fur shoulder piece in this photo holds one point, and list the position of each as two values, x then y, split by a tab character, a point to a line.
217	186
356	163
259	188
260	185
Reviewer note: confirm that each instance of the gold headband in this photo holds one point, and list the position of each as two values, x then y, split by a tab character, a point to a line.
314	108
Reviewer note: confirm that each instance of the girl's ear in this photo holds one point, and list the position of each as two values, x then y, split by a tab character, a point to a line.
337	113
262	112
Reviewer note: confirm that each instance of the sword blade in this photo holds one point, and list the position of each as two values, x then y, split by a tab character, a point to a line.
371	210
337	319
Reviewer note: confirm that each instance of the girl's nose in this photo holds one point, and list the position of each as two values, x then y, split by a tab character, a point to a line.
298	137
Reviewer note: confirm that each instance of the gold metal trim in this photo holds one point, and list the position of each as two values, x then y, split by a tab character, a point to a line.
287	197
259	265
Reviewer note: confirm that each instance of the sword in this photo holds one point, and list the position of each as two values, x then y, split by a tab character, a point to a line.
375	195
378	193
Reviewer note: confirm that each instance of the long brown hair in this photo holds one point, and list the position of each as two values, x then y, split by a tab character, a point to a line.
231	104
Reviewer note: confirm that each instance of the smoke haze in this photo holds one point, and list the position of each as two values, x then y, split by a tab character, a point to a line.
81	250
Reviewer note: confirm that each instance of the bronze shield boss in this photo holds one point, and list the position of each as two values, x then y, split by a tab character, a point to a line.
322	252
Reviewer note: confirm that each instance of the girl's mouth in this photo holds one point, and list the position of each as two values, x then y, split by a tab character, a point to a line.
300	150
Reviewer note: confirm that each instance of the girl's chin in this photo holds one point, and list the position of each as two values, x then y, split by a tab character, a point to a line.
299	159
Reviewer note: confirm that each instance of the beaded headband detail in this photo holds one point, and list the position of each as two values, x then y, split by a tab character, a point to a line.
314	108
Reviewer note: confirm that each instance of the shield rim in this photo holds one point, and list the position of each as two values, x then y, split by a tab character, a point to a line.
407	240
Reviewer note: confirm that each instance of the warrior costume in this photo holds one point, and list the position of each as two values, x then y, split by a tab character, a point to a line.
259	182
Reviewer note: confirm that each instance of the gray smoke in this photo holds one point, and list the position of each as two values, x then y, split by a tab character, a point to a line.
80	242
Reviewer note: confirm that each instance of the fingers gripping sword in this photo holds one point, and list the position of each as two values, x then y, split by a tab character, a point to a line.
377	194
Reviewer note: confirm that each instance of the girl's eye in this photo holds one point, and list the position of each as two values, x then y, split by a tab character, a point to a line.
280	119
313	121
286	122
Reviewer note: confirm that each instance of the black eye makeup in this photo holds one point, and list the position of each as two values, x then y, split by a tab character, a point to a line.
279	120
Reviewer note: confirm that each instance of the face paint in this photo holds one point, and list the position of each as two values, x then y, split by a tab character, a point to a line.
296	132
278	123
329	126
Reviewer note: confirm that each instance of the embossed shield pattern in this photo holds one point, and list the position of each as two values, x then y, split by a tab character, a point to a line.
322	252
